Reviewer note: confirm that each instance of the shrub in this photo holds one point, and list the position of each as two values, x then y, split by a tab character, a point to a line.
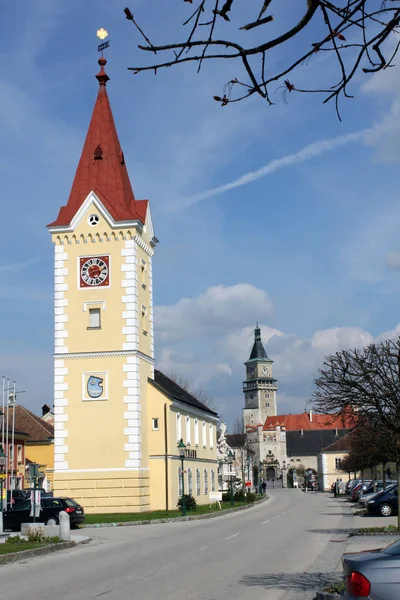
226	496
240	495
35	535
14	539
336	588
250	497
190	502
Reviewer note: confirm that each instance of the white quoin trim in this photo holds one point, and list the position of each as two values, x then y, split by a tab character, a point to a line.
60	302
92	198
60	415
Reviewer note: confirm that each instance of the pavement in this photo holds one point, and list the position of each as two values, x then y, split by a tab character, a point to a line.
286	548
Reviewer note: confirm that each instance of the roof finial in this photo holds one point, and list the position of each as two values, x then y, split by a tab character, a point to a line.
102	76
257	332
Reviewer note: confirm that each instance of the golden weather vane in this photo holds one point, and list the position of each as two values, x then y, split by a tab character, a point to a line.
102	34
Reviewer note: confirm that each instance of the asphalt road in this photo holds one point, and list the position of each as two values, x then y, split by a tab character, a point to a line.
285	548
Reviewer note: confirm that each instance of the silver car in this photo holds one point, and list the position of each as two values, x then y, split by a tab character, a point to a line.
374	574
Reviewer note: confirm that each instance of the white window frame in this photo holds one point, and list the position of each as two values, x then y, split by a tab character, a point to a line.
180	482
204	434
211	432
205	474
188	437
95	318
155	424
190	482
196	432
178	427
19	454
198	482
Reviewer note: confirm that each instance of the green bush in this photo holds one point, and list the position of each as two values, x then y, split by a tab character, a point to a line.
226	496
250	497
336	588
15	539
190	502
240	496
35	535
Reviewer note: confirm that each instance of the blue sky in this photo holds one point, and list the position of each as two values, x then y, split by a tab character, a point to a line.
308	246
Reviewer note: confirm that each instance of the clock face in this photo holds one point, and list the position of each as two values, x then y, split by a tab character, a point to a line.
94	271
265	371
251	372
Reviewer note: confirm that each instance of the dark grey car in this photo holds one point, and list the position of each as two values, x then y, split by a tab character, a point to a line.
374	574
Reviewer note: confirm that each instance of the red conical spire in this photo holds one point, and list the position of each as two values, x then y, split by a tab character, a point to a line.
102	168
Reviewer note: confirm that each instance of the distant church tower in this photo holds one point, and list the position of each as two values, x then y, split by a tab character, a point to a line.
104	354
260	387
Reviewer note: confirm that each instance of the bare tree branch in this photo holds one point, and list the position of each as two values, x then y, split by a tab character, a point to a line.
357	33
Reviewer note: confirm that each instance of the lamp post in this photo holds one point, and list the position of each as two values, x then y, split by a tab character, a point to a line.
260	475
230	458
248	467
182	452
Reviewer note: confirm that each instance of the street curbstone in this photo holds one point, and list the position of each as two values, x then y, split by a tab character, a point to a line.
23	554
212	515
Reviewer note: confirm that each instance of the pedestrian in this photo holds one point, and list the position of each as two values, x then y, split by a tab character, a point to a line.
260	489
264	487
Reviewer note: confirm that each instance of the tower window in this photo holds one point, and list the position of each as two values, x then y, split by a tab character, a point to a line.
266	395
93	220
267	404
94	318
155	424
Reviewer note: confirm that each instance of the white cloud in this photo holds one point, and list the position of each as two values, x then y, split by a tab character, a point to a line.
393	260
219	309
215	360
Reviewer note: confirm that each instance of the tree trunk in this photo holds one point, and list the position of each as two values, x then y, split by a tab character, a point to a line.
373	473
362	475
384	475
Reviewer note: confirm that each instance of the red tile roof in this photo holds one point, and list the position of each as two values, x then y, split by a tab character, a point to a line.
37	429
307	423
107	175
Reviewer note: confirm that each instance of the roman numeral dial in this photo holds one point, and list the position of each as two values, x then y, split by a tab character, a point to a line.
94	271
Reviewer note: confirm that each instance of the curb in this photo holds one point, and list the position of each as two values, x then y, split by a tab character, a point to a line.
16	556
373	533
212	515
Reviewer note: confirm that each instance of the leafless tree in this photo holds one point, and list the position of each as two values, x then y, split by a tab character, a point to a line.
358	34
365	383
197	391
238	424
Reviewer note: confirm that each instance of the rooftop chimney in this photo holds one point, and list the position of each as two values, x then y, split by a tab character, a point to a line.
45	409
310	414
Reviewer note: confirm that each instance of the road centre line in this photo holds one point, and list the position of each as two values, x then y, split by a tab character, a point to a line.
232	536
264	522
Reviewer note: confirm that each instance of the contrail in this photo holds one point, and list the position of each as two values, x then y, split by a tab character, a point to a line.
306	153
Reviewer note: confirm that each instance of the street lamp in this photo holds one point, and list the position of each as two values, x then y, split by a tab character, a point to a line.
230	458
182	452
248	467
260	474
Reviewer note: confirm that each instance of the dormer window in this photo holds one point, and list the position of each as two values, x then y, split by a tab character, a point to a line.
98	153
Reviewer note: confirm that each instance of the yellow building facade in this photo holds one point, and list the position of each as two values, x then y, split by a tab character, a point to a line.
104	350
176	415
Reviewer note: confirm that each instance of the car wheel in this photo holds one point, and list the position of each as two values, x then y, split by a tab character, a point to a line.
52	521
385	510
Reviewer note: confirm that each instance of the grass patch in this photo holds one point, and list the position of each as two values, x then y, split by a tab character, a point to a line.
156	514
386	529
18	547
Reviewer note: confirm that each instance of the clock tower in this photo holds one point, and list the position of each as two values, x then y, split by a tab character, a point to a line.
103	321
260	387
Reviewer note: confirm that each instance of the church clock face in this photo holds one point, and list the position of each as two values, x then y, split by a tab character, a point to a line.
94	271
251	372
265	371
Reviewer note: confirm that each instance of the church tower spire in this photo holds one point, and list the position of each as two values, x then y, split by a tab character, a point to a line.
103	326
260	387
101	168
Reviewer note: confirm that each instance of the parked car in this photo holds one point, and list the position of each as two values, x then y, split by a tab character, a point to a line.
16	497
373	574
351	484
358	487
384	503
369	492
42	491
49	513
